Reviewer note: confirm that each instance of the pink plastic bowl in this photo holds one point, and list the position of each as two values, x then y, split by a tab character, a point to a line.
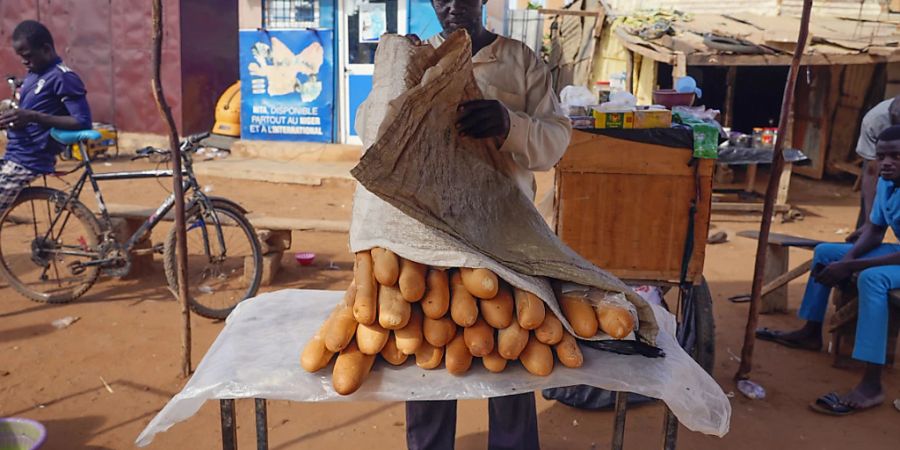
671	98
305	258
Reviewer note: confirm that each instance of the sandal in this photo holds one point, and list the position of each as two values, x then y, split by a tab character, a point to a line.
832	405
777	337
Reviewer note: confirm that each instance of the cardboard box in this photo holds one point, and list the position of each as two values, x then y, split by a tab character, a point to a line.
624	119
653	118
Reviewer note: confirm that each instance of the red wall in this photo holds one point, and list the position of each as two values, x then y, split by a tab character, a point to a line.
108	43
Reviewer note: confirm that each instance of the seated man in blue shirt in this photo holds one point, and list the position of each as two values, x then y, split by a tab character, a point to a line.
52	96
878	265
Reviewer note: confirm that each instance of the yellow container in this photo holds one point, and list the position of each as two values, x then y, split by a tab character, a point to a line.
108	137
613	119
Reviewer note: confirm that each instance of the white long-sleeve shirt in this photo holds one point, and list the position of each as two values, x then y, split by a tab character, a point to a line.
539	131
508	71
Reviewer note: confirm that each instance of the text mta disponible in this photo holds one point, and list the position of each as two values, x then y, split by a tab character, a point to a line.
286	120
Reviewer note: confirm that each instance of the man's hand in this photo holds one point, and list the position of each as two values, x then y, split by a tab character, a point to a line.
854	236
414	38
834	273
17	118
483	119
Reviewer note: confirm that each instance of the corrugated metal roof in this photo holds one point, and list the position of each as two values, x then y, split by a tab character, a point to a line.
843	8
768	40
696	6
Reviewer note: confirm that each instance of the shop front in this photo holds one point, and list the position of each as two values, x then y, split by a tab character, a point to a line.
307	65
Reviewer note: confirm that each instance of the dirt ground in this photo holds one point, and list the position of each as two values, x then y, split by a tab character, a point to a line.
128	337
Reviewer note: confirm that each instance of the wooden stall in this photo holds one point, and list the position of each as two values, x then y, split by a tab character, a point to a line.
627	206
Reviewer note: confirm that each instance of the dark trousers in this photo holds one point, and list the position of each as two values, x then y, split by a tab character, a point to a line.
431	425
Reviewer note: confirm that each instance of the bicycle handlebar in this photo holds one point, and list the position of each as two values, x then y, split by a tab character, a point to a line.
196	138
188	144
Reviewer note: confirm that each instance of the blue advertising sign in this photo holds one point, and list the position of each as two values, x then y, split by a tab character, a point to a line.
287	85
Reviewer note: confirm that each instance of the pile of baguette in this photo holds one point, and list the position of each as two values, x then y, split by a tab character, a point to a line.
397	308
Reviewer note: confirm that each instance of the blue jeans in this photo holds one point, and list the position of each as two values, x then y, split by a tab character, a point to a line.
874	284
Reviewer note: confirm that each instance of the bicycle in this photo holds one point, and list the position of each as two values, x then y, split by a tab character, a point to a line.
65	246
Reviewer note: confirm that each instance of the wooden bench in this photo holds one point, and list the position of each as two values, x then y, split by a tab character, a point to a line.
274	234
843	322
778	272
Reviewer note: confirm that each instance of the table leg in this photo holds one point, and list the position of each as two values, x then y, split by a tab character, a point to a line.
784	184
618	439
670	433
751	179
229	424
262	425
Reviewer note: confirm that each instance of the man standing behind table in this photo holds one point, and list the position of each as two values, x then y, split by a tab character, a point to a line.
52	96
878	119
523	115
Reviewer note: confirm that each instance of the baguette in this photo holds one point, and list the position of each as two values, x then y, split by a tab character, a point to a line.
568	352
493	362
580	315
614	320
439	332
370	339
428	356
365	306
340	330
350	369
530	310
409	338
498	311
458	359
537	358
315	356
391	353
463	309
436	301
386	266
481	283
350	294
511	340
479	338
551	331
393	311
412	280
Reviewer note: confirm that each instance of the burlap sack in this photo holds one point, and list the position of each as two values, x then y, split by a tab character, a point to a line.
448	200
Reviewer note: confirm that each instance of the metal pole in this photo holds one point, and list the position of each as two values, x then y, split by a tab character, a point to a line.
670	433
769	202
262	426
618	440
229	424
177	187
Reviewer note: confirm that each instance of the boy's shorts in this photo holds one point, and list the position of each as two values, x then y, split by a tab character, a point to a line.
13	178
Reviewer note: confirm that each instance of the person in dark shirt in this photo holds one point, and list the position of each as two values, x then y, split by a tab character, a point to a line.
52	96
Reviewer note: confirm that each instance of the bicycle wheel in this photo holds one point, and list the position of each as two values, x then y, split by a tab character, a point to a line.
45	264
224	263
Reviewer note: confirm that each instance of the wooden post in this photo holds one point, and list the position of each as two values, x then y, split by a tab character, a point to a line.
629	71
730	80
769	202
777	264
178	188
680	67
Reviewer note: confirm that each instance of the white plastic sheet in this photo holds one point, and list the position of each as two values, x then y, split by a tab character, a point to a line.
257	356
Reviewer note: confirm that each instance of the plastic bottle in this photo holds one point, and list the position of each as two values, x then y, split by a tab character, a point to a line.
617	82
601	91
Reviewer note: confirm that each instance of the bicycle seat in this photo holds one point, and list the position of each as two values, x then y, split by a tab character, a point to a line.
70	137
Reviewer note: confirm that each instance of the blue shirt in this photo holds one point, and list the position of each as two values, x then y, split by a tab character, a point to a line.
886	208
57	91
